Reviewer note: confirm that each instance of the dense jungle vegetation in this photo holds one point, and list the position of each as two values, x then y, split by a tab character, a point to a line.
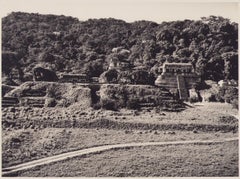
65	44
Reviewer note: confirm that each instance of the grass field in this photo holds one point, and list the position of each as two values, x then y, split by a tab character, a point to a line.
26	140
169	161
51	141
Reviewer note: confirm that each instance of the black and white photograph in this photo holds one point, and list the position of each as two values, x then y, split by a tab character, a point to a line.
119	88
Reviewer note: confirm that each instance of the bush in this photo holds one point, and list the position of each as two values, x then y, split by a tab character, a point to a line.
109	104
132	104
212	98
142	77
234	103
173	105
193	99
96	106
109	76
228	94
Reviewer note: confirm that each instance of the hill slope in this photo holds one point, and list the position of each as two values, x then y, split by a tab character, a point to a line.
66	44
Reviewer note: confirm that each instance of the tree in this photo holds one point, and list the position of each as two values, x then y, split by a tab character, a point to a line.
94	68
10	63
230	65
46	57
142	77
70	45
109	76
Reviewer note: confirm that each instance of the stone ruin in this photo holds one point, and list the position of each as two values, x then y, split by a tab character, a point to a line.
177	77
119	64
74	78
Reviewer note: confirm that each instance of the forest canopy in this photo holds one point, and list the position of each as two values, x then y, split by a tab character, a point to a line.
65	44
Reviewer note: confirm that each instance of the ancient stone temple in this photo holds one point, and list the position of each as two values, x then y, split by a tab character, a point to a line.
178	77
119	64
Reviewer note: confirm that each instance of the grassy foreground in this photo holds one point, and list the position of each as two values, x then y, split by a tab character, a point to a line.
52	141
25	138
169	161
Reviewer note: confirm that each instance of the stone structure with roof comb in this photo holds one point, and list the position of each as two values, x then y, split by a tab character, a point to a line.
179	77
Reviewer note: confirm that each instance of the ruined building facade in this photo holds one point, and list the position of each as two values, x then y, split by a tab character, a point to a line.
119	64
178	77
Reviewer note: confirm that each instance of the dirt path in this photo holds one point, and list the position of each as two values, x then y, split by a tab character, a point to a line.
64	156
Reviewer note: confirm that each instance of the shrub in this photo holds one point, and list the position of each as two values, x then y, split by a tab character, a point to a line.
228	94
142	77
96	106
173	105
109	76
193	99
132	104
234	103
109	104
231	93
212	98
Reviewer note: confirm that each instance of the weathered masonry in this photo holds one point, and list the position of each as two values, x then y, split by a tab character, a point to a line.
177	76
119	64
74	78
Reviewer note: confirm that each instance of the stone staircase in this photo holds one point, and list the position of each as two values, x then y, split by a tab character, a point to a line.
23	101
183	92
37	102
29	99
35	94
9	102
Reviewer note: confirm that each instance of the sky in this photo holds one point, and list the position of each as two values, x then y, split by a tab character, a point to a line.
128	10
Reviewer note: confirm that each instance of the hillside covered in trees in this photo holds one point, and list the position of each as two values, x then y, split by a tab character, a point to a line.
67	45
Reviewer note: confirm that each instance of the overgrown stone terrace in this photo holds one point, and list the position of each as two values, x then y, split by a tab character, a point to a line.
40	94
54	94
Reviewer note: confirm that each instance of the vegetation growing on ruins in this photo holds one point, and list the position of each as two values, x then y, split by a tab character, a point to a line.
70	104
65	44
